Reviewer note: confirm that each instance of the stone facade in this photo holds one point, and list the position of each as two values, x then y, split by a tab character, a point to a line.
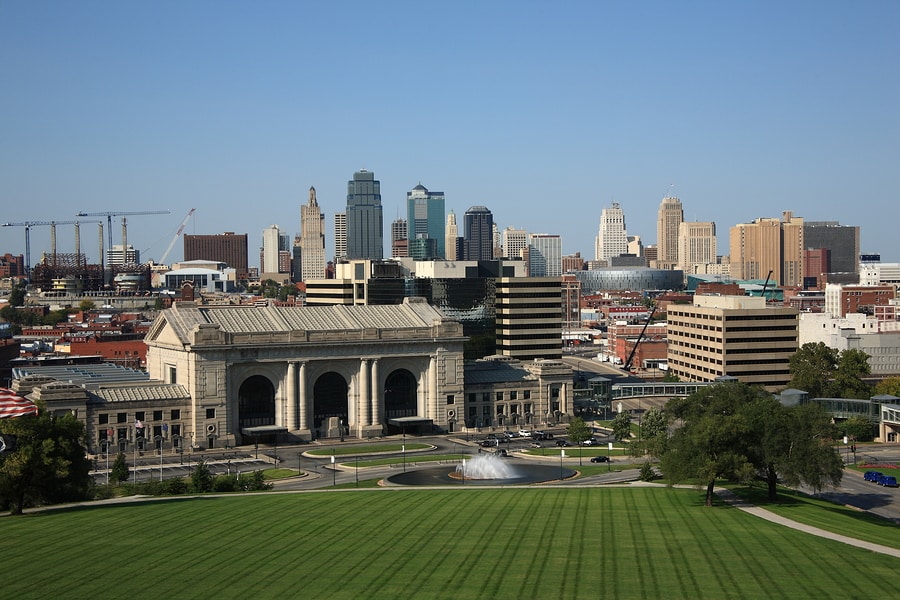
309	372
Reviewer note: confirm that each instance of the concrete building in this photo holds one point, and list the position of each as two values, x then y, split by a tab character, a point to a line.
529	317
309	372
841	300
696	246
399	238
228	248
879	273
841	241
119	255
515	242
452	243
769	245
612	238
312	239
544	255
669	218
735	336
340	236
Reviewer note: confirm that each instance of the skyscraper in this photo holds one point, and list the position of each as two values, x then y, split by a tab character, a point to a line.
669	217
696	246
544	255
271	246
515	241
479	234
365	225
425	217
451	243
612	240
340	236
312	239
842	241
768	244
399	238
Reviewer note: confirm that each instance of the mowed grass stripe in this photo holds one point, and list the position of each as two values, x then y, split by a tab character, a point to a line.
460	543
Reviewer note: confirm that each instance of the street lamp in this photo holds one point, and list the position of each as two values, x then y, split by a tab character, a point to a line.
403	448
333	469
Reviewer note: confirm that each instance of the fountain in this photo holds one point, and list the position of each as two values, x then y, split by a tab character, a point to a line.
483	469
484	466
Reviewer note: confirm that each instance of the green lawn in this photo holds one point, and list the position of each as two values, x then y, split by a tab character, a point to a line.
537	542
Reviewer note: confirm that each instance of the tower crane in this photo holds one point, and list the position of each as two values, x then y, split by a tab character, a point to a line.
110	214
165	255
52	224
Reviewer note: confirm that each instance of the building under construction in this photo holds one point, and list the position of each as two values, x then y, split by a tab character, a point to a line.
70	274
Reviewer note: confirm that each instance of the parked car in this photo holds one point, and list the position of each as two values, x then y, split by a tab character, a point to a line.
489	443
599	459
524	433
536	445
591	442
888	481
562	443
872	476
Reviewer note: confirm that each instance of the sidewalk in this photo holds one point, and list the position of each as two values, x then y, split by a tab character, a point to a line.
730	498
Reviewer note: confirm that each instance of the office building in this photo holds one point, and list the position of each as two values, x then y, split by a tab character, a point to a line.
529	317
340	236
479	234
119	255
228	248
274	243
696	246
669	218
312	239
399	238
842	242
734	336
515	242
425	218
612	239
452	243
768	248
544	255
365	226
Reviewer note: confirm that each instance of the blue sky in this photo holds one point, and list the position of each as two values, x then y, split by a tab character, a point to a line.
544	112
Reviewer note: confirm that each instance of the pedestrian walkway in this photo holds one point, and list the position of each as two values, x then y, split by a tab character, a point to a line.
731	498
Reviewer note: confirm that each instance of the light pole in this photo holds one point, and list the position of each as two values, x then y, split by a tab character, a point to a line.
562	455
403	448
333	469
299	470
608	457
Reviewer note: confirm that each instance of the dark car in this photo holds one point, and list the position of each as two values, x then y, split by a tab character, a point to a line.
888	481
562	443
599	459
489	443
872	476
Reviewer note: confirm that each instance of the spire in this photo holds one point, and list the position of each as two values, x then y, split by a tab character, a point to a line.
312	196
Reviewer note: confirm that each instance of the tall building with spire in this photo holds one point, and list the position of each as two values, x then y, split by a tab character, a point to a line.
479	234
425	217
612	239
669	218
451	244
365	224
312	239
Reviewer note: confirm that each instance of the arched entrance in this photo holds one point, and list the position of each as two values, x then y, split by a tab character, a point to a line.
400	397
330	402
256	405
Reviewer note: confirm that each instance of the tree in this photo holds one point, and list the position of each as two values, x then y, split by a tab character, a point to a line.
654	432
119	470
578	432
858	428
621	425
711	443
49	465
201	478
852	365
890	386
86	305
812	368
17	294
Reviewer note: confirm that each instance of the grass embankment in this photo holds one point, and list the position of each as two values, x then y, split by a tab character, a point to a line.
543	542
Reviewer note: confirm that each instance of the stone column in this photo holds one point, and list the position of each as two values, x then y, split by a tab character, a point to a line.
291	399
432	400
304	424
374	414
362	397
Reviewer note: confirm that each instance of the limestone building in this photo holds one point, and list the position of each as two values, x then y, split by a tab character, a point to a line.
256	372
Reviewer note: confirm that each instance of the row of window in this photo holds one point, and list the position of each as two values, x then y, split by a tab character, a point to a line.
121	417
500	396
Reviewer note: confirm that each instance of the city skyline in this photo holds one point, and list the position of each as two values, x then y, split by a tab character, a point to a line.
545	116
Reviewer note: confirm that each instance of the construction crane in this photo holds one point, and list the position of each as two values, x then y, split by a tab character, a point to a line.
637	342
52	224
165	255
110	214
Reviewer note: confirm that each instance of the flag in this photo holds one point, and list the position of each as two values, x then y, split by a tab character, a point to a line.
12	405
138	424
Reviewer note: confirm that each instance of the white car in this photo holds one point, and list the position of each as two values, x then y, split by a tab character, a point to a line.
524	433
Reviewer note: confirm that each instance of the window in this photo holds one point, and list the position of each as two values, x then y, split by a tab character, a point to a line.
121	418
172	374
472	398
499	396
514	395
176	430
157	415
210	413
485	396
526	395
499	409
451	399
139	415
103	418
175	414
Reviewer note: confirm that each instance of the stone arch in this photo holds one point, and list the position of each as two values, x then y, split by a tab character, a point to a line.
256	402
330	401
400	394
